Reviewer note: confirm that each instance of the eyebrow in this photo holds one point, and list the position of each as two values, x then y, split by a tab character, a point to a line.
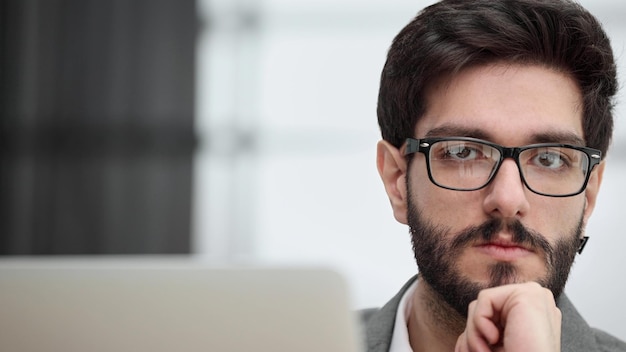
457	131
543	137
559	137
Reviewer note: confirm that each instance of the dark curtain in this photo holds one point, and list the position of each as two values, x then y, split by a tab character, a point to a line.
96	134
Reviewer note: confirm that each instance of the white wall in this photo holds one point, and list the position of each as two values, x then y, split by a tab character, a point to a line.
300	88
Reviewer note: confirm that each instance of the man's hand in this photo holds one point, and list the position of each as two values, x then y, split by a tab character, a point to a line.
511	318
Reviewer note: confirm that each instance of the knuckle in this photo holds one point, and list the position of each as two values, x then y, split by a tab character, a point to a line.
558	314
472	305
535	285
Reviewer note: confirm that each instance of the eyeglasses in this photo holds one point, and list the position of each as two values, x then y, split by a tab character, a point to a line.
469	164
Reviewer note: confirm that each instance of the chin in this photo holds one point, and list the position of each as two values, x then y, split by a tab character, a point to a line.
506	273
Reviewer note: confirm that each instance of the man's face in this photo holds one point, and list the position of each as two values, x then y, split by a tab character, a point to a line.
503	233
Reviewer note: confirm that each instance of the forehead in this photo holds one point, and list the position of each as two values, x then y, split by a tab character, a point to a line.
507	104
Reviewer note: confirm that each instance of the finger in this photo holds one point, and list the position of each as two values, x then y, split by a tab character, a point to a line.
487	320
481	332
473	340
461	344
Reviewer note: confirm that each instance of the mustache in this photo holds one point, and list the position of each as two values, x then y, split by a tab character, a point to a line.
488	231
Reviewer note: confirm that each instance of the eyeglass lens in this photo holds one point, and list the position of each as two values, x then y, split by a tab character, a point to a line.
467	165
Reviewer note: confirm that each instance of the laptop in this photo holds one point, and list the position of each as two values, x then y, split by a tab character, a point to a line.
171	305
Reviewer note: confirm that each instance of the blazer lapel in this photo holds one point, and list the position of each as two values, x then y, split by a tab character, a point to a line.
379	326
576	335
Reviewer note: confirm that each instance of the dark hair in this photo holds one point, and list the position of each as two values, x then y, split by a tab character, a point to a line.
457	34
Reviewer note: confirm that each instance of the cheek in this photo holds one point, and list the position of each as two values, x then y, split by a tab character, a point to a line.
555	217
453	209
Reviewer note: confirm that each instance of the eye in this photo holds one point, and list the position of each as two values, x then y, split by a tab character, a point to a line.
460	151
550	159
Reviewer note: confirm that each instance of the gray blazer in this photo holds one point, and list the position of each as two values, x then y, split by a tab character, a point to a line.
576	335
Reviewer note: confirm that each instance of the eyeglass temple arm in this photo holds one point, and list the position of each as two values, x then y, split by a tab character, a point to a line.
412	146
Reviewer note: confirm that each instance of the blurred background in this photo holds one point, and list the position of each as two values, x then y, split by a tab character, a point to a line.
233	131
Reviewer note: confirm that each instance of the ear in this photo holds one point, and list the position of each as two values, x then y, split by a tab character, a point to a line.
392	167
591	192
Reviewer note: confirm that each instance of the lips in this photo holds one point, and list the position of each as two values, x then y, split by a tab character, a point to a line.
504	250
506	243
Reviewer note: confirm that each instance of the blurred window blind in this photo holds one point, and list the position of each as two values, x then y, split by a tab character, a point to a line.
97	126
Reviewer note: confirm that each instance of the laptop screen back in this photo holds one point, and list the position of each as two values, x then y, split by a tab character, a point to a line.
123	306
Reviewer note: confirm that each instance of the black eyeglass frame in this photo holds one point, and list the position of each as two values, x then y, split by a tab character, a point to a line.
423	146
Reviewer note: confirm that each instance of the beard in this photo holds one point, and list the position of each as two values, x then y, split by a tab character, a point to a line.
436	251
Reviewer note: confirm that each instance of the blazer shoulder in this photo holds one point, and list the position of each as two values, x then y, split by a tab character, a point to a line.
608	343
366	314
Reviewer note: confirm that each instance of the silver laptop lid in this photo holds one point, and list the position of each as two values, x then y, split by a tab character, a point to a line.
94	305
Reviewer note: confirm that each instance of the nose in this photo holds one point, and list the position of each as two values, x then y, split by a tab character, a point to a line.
506	194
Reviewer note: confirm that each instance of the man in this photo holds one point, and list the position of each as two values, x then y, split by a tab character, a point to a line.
496	116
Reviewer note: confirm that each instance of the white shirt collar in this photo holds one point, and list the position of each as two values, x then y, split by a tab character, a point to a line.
400	338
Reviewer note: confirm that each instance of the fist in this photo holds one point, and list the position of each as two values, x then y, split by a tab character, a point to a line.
518	317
